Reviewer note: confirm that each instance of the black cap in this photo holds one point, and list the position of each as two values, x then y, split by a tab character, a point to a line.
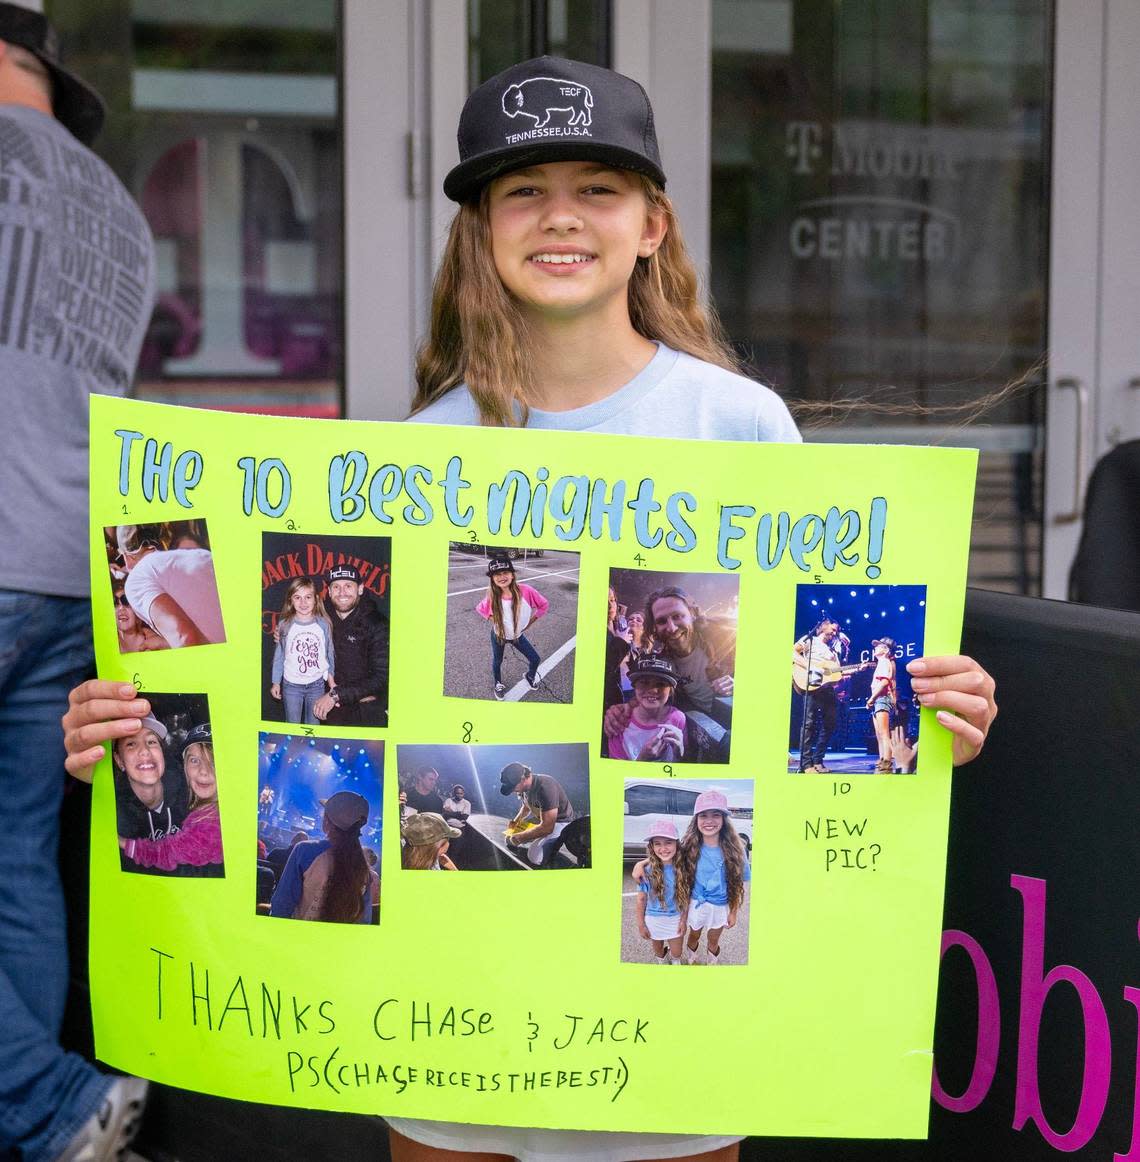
200	733
77	107
552	109
500	565
653	666
343	573
510	777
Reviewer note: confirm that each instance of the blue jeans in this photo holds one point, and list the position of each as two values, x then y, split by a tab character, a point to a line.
45	1093
523	646
300	700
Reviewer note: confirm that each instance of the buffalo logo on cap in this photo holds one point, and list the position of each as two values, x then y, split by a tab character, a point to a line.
539	97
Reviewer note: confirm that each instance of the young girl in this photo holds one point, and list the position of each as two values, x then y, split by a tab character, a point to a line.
565	299
713	869
303	659
882	701
656	730
510	606
659	904
197	848
426	837
134	634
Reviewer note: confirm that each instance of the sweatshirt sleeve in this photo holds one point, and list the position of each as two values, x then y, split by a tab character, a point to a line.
330	649
279	652
537	602
483	609
198	843
287	895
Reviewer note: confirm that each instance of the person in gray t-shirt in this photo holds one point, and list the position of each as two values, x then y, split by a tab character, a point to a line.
544	803
76	290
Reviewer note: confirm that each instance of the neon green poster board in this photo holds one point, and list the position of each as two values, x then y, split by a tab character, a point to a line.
677	626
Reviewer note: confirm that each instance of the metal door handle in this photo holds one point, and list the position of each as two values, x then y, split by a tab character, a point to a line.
1070	383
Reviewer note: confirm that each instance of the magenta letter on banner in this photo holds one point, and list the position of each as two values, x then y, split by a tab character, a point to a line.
1132	996
1034	990
989	1029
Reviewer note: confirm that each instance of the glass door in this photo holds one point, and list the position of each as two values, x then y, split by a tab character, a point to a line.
879	226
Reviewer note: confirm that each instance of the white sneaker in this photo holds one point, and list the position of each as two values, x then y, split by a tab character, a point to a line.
693	955
500	691
713	958
106	1135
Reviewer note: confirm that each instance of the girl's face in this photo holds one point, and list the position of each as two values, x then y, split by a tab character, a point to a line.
125	617
612	609
651	693
709	824
664	848
503	579
200	775
565	237
304	599
882	651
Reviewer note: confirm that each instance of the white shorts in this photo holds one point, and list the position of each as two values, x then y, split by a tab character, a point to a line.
663	927
706	915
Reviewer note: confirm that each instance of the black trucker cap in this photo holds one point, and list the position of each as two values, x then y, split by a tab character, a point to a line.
552	109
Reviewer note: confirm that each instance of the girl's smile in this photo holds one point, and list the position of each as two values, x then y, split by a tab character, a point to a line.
651	694
565	237
664	848
709	824
303	602
503	580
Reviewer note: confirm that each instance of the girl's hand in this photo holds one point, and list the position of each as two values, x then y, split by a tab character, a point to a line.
643	930
617	719
903	752
99	712
731	923
275	691
653	748
963	694
123	843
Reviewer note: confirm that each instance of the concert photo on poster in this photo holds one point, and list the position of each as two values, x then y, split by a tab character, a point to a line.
325	629
852	707
670	666
319	827
166	791
494	808
163	585
512	623
686	871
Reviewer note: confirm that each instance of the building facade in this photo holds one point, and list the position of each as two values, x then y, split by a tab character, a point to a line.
899	206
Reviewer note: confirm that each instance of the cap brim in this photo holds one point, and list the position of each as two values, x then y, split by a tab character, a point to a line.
77	107
466	180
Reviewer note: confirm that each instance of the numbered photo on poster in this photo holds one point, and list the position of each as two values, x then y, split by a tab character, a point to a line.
325	629
494	808
166	791
319	826
163	586
512	616
852	707
670	666
686	871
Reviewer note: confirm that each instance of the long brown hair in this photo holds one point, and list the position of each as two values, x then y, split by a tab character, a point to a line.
655	869
478	335
344	889
496	598
420	856
689	852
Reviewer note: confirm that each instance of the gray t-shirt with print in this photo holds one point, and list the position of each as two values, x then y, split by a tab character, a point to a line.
76	290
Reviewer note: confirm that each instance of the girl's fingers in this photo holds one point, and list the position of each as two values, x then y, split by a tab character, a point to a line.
971	705
100	688
91	735
104	709
82	766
